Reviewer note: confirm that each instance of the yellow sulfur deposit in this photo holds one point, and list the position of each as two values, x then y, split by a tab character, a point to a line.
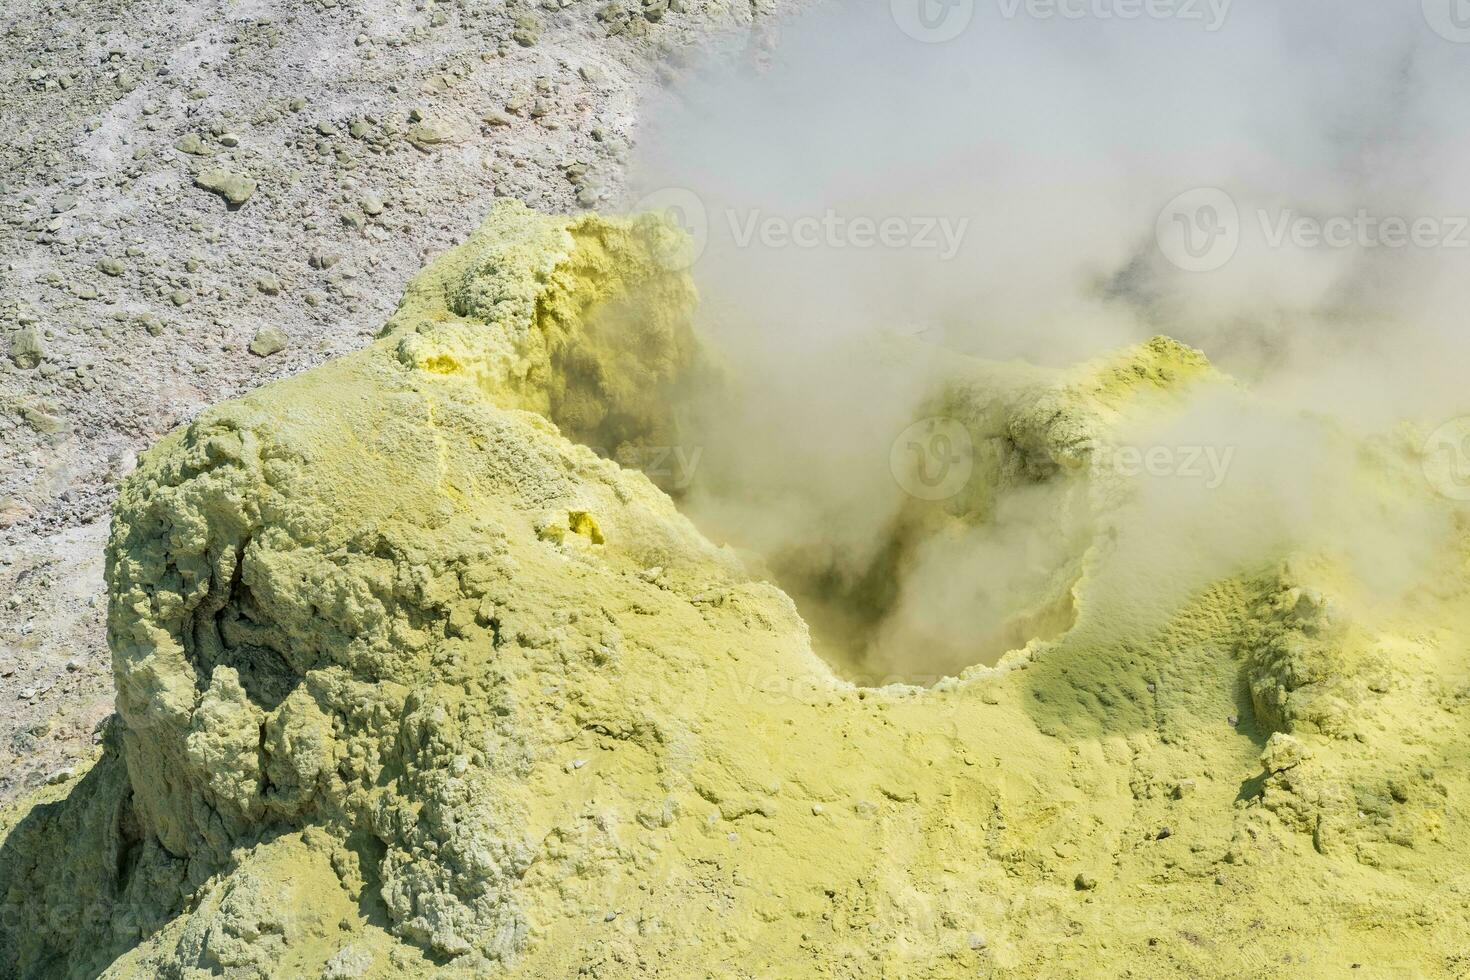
412	681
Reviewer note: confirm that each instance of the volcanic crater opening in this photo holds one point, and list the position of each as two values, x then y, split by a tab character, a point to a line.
897	583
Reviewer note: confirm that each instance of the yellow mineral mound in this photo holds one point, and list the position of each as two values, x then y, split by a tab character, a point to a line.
412	680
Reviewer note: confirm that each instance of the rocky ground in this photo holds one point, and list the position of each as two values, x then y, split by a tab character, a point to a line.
196	199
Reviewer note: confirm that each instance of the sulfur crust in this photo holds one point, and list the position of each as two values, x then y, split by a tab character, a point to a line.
411	682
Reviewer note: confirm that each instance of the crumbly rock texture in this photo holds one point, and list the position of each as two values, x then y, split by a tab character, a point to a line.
411	681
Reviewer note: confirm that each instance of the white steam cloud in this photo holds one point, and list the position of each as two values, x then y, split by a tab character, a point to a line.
1282	185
